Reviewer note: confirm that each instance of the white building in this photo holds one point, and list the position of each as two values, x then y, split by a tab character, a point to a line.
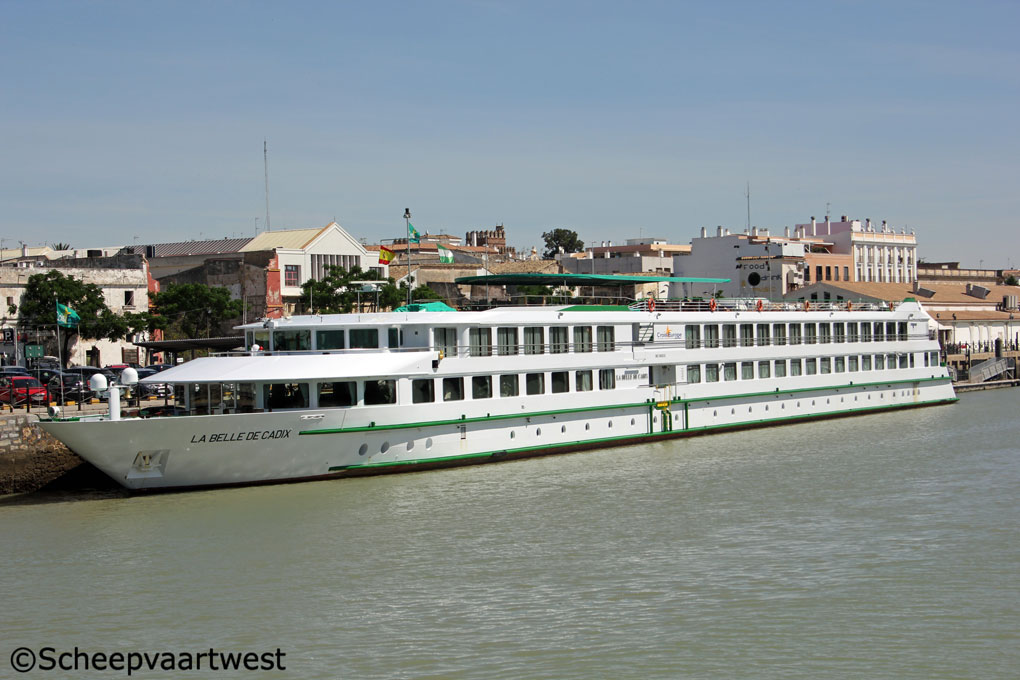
875	254
636	256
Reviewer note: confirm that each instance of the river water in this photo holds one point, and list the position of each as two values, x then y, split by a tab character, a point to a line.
885	546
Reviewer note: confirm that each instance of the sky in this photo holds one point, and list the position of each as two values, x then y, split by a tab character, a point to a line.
144	122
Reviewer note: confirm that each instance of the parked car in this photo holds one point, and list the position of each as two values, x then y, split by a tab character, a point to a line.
13	370
69	387
155	389
159	367
17	389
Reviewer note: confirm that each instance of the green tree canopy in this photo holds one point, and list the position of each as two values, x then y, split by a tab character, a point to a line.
561	238
191	310
1011	280
337	292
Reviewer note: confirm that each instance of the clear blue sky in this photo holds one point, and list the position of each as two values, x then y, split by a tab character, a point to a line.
125	119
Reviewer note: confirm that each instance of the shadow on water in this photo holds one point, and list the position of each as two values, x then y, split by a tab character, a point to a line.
83	483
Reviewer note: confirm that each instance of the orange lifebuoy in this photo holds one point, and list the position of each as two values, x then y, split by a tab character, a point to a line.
807	305
711	305
759	306
651	304
849	306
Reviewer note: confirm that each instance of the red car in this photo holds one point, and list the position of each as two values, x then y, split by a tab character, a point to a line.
17	389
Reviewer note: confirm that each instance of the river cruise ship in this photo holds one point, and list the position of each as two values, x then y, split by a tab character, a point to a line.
338	395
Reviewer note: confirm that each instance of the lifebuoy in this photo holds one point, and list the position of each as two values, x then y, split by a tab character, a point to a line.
711	305
807	305
849	306
651	304
759	306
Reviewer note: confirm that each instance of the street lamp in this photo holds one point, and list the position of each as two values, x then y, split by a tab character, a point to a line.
407	220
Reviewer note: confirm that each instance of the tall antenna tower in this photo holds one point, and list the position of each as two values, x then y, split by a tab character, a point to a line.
748	195
265	159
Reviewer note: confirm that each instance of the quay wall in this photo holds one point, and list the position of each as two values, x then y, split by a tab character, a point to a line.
30	458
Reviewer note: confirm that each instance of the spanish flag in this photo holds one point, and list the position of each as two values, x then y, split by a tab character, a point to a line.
386	255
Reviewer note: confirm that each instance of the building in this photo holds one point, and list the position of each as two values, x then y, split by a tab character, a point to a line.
636	256
850	250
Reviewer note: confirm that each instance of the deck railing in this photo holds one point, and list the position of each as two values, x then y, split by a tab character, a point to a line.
753	304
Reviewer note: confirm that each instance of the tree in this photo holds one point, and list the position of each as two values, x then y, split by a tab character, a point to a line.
39	309
338	291
59	245
191	310
1011	281
561	238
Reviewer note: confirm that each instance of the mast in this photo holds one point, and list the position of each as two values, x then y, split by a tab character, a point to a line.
265	160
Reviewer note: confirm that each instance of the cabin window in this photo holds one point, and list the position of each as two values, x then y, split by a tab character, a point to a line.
746	335
763	369
890	361
840	364
779	333
692	336
285	395
865	332
694	373
866	362
380	392
292	341
509	385
711	335
534	383
730	371
901	329
711	372
582	338
606	337
329	339
453	389
810	334
810	366
582	381
934	358
890	331
824	333
904	359
795	367
534	340
393	337
607	379
851	332
838	332
879	331
245	402
747	370
341	393
851	364
480	342
423	391
560	381
763	334
364	338
506	338
780	368
795	334
260	338
879	362
481	387
446	341
558	339
729	335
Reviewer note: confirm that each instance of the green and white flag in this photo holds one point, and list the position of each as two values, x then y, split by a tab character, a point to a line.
67	317
412	234
445	254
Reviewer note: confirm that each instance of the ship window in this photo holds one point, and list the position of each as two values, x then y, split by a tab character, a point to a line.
730	371
446	341
711	335
794	368
364	338
481	387
380	392
338	394
879	362
934	358
607	379
261	338
582	381
329	339
890	361
480	342
779	333
840	364
393	337
582	338
729	335
890	331
606	336
747	370
901	328
925	359
851	332
810	334
286	395
534	383
794	333
558	339
838	332
694	373
423	391
865	332
810	366
879	331
292	341
560	381
534	340
824	333
866	362
763	334
904	359
711	372
693	336
245	397
746	335
509	385
851	364
780	368
763	369
826	365
453	389
507	340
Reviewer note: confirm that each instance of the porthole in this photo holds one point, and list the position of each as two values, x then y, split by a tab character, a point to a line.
798	404
538	432
587	426
733	411
385	447
563	428
632	421
826	400
783	406
513	435
610	424
715	414
428	443
766	407
812	402
410	445
363	450
841	400
749	409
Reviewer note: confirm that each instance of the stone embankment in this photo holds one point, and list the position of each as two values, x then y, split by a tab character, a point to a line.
30	458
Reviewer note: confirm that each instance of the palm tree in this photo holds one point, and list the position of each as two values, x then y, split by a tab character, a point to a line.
60	246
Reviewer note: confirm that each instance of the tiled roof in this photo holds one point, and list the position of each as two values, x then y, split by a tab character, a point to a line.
945	315
526	267
288	238
212	247
945	293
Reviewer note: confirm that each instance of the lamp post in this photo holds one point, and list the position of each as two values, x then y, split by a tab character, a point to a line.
407	220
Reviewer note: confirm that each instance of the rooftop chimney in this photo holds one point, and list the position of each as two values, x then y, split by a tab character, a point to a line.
814	226
704	232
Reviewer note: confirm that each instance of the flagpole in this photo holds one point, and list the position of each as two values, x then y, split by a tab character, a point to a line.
407	220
